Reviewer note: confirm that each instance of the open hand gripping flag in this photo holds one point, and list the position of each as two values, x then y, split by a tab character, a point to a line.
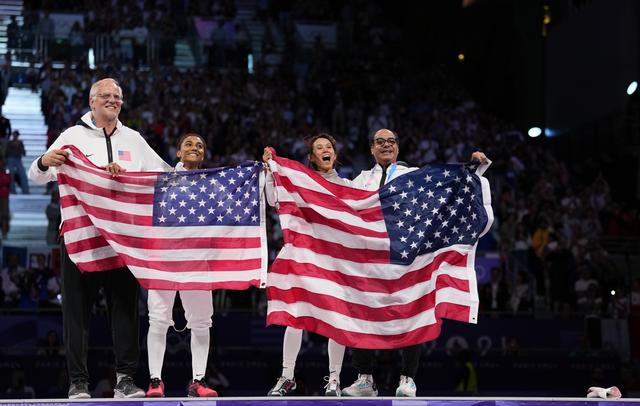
190	230
378	269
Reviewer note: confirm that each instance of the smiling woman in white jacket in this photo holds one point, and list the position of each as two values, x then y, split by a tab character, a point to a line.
322	159
198	305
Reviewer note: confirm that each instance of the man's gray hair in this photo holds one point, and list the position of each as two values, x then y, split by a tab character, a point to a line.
94	88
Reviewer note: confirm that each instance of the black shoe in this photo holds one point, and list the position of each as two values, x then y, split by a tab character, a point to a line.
79	390
126	388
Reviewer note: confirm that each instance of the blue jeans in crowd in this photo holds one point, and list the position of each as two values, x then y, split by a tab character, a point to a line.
15	167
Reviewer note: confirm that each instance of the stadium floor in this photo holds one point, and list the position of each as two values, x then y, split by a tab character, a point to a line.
305	401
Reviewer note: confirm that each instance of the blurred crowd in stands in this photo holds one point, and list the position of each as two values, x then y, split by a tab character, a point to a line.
549	221
35	286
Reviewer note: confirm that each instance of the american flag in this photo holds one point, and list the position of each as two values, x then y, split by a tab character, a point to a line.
124	155
188	230
378	269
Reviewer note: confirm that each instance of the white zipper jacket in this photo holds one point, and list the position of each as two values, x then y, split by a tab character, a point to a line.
370	180
126	147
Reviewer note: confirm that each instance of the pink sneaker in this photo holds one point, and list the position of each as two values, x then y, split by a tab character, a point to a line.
156	388
199	389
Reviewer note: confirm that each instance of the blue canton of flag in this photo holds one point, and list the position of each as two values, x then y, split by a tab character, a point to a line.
431	208
227	196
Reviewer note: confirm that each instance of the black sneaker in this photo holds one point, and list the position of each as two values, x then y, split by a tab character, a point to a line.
283	387
79	390
126	388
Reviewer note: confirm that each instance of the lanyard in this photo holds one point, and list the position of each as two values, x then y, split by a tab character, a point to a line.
389	175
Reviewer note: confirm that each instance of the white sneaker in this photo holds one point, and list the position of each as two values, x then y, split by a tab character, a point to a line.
283	387
406	388
363	386
332	388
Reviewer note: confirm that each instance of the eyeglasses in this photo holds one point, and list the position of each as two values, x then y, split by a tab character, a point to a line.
381	141
107	96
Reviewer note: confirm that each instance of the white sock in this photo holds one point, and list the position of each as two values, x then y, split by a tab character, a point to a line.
290	349
199	352
156	345
336	354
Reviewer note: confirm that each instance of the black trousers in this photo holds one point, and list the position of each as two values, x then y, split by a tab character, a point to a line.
364	360
79	293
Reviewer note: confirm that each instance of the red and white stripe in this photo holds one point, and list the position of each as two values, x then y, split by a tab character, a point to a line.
108	223
333	275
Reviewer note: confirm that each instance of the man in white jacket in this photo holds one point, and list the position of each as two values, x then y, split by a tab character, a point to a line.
385	148
107	143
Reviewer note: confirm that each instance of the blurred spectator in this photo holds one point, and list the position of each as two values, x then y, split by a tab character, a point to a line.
46	27
561	268
5	188
620	304
539	241
54	217
519	258
15	152
76	41
30	295
520	300
19	389
581	288
31	75
29	28
54	287
13	34
5	132
466	376
52	345
5	68
12	277
592	306
140	34
494	295
511	346
508	228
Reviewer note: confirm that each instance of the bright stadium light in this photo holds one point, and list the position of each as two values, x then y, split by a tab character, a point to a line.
91	59
632	88
250	64
534	132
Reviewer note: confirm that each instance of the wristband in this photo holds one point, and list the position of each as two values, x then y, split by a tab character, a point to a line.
41	166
